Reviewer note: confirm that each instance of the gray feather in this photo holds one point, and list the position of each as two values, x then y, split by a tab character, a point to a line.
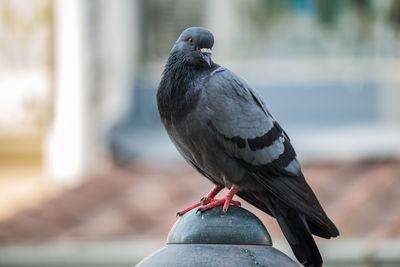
236	110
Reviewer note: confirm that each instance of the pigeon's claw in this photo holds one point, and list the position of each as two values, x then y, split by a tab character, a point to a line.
211	195
182	212
233	202
219	202
203	201
208	199
226	201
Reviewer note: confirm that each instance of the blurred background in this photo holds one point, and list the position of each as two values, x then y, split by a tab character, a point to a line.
88	177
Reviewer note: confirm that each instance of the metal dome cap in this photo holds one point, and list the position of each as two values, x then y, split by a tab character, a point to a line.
237	226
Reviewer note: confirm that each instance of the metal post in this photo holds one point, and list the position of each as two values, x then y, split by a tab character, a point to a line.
212	238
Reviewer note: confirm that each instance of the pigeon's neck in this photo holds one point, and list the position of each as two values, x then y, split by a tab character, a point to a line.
180	89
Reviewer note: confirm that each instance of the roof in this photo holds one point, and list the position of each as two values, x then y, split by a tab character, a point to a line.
361	197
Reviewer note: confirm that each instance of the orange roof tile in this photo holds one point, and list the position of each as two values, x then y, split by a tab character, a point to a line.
362	198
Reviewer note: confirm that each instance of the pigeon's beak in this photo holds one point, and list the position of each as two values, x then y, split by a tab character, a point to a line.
206	54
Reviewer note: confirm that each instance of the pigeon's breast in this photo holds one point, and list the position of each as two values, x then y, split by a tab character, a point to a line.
181	100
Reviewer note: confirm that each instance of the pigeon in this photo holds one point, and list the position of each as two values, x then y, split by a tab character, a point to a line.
223	129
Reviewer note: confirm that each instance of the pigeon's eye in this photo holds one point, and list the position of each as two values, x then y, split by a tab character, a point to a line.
191	41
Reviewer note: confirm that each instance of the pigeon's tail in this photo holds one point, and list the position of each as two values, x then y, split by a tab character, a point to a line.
295	228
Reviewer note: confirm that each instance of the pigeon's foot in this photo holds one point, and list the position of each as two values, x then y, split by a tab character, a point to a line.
226	201
211	195
205	200
219	202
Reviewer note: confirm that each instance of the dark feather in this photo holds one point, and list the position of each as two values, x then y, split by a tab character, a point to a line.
296	193
296	231
267	139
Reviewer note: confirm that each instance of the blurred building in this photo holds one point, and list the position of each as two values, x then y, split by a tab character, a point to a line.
81	144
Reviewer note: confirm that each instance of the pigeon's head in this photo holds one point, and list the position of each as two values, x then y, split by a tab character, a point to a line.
194	46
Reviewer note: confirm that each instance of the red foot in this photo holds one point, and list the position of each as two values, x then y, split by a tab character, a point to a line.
226	201
180	213
205	200
219	202
210	196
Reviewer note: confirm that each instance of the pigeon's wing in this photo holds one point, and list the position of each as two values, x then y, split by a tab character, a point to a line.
246	130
